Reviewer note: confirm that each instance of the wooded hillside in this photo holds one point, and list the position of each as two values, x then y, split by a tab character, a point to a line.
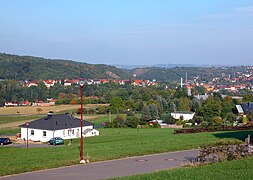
34	68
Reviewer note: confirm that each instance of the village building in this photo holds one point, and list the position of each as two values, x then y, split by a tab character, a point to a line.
67	82
49	83
56	125
245	108
32	83
182	115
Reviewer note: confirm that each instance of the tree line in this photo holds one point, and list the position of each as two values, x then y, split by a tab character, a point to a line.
151	102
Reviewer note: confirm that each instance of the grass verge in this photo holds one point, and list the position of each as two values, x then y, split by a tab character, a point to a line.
238	169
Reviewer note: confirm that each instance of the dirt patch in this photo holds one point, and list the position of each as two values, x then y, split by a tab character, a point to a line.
21	141
33	110
30	110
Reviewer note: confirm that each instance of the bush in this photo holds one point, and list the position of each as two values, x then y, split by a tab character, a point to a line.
102	109
186	125
179	122
119	122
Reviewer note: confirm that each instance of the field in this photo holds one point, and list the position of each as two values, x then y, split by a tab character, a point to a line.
112	144
12	117
33	110
239	169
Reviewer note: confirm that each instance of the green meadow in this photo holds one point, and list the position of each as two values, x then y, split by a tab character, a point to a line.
111	144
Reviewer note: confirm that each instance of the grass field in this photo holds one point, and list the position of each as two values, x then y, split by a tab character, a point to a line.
11	119
4	131
111	144
233	170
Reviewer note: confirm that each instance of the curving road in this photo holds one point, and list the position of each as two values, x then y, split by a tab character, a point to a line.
113	168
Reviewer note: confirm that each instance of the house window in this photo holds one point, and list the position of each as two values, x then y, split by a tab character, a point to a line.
32	132
73	131
69	132
44	133
64	133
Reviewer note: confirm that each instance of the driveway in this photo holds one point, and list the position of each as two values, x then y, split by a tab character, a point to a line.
113	168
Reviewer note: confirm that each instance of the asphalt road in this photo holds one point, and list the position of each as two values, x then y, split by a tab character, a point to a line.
113	168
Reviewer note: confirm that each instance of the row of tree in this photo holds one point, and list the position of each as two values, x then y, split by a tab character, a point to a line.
152	102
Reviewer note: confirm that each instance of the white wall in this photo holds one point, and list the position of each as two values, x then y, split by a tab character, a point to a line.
185	116
38	134
94	132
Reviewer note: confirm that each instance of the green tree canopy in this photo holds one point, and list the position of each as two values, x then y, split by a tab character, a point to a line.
210	109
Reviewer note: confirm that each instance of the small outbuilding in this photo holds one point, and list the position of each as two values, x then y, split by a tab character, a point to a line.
184	115
56	125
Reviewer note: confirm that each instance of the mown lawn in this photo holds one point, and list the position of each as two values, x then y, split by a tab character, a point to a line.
232	170
111	144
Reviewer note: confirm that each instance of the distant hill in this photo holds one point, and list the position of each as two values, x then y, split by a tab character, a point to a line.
167	66
34	68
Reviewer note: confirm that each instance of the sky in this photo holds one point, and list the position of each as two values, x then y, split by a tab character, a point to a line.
130	32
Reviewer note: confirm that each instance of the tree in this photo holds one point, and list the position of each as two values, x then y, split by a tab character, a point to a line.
2	102
146	96
116	103
227	106
184	104
163	103
210	108
248	98
129	104
195	104
231	117
132	121
140	105
198	90
153	111
217	96
146	116
181	92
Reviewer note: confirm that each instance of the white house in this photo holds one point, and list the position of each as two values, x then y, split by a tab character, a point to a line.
185	115
58	125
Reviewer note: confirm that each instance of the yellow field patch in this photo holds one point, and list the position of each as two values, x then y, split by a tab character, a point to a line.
30	110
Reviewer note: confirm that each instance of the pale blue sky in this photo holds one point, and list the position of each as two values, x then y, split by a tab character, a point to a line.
130	31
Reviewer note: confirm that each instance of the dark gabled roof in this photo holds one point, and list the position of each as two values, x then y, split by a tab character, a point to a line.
56	122
247	107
